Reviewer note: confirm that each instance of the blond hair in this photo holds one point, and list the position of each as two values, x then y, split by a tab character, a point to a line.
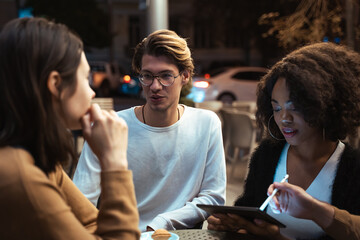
165	43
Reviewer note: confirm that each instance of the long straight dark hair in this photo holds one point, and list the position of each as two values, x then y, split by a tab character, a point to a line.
30	49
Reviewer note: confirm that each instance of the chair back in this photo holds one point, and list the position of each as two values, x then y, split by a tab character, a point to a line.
239	136
246	106
210	105
239	128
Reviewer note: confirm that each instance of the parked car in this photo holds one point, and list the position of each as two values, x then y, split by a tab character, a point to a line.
227	84
105	78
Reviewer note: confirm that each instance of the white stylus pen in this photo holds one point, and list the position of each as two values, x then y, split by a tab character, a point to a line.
263	206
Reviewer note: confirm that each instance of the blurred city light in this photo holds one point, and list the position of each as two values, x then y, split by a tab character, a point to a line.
127	79
25	12
201	84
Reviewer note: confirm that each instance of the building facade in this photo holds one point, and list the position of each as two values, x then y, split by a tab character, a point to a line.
213	43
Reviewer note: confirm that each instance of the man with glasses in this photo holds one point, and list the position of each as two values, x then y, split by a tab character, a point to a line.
175	152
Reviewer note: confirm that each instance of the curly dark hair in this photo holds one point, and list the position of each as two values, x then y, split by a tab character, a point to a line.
324	84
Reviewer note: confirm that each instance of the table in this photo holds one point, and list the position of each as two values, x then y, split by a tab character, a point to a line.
202	234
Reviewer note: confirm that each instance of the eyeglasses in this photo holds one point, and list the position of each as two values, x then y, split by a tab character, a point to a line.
165	79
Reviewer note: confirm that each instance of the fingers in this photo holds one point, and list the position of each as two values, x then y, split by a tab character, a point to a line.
222	222
213	220
242	231
214	223
270	189
257	226
274	204
106	135
265	227
285	186
86	125
217	227
220	215
95	112
237	223
113	113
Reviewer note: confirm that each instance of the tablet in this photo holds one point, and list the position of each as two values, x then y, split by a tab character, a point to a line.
249	213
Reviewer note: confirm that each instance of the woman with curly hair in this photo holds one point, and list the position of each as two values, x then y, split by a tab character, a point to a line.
307	103
45	92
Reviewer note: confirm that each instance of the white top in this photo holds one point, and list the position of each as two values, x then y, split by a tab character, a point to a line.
174	168
320	188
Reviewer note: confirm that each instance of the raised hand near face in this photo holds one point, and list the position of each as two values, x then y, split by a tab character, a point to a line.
107	136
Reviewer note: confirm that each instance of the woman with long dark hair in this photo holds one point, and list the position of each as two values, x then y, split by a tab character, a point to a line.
44	93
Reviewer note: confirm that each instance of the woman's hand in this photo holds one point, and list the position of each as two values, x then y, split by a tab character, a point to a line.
291	199
295	201
107	135
235	223
222	222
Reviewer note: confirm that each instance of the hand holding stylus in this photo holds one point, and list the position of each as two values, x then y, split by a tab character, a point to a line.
295	201
267	201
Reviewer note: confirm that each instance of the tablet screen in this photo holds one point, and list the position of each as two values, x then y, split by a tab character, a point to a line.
249	213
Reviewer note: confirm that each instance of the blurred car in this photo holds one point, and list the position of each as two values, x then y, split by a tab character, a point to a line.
227	84
105	78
